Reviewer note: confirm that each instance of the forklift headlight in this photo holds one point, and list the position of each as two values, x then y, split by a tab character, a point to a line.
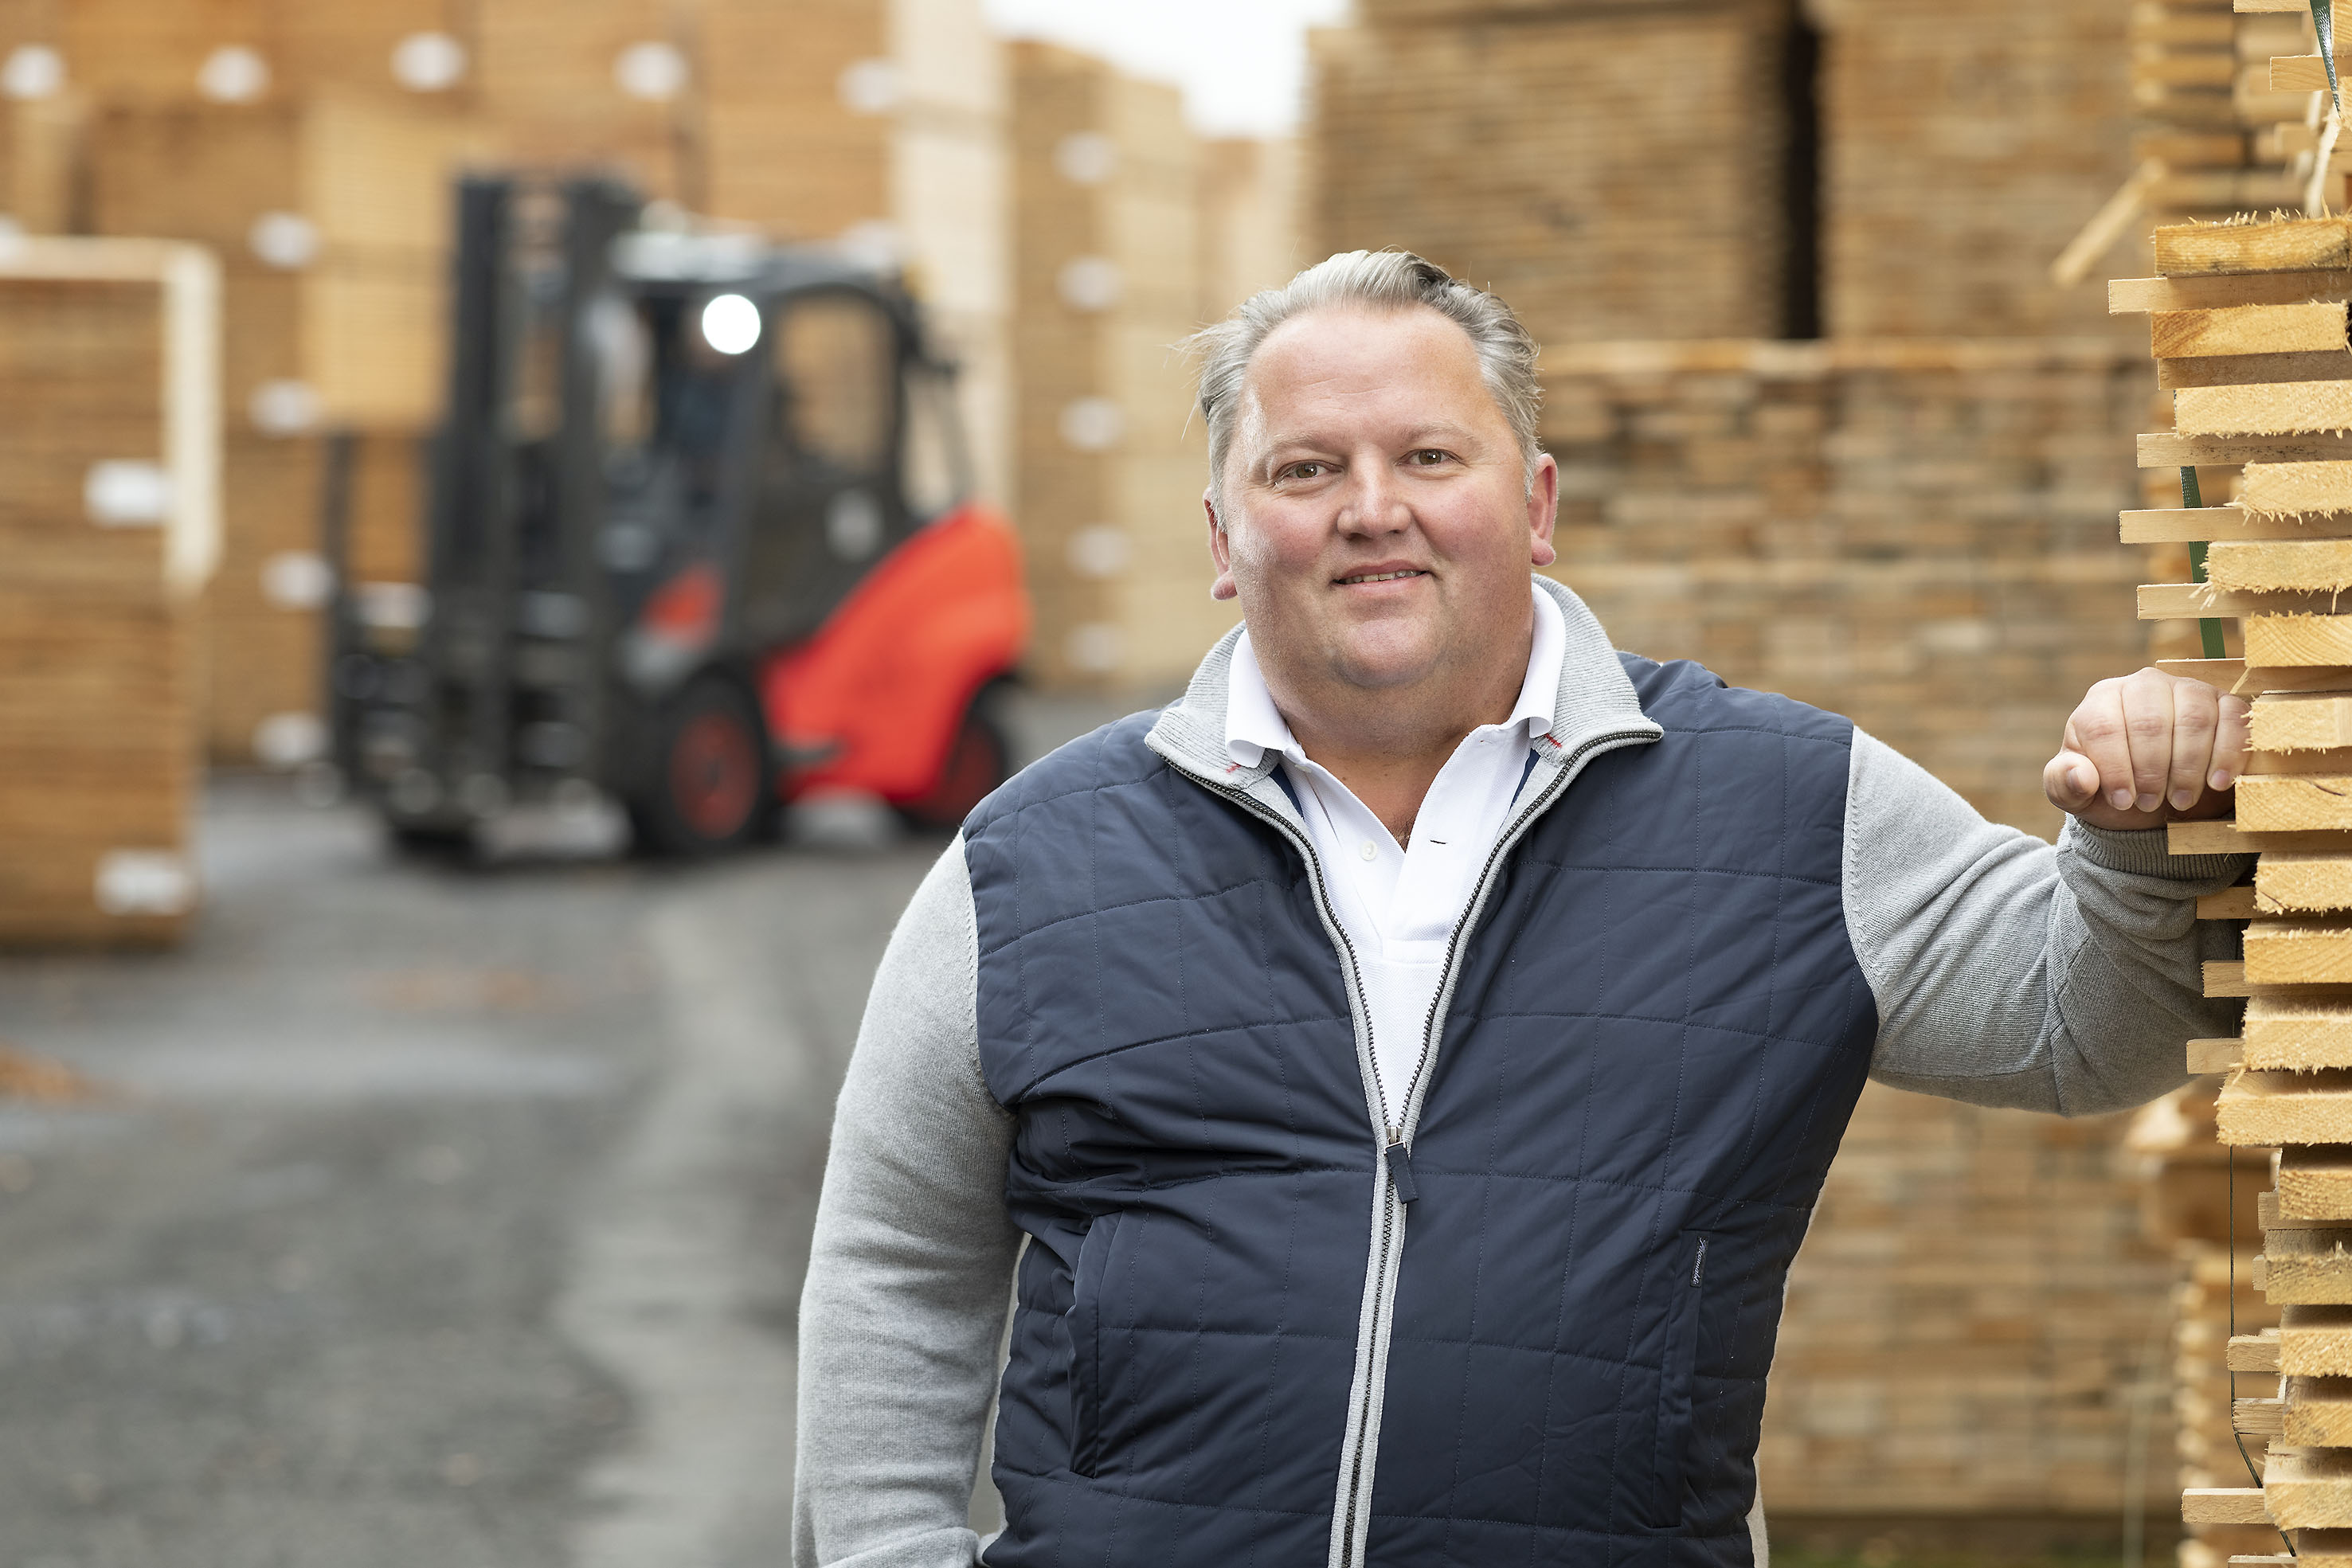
731	324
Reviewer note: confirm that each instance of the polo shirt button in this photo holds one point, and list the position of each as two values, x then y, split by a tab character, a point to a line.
1371	852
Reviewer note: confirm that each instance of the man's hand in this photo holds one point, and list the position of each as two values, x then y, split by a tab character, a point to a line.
2146	749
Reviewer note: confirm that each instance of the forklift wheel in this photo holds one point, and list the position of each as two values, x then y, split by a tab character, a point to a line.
710	789
977	760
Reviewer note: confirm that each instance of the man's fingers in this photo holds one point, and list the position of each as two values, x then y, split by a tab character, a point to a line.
2196	721
2096	734
2071	780
2147	729
2230	742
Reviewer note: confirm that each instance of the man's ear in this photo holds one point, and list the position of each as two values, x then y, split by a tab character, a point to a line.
1543	510
1220	551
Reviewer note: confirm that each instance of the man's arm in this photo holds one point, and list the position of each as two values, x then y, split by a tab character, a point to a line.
2010	973
911	1271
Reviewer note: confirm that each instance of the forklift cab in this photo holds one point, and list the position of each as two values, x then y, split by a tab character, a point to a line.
700	538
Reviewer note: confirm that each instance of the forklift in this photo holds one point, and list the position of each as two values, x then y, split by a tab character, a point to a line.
698	539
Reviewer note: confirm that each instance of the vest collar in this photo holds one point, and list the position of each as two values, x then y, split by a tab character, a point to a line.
1596	701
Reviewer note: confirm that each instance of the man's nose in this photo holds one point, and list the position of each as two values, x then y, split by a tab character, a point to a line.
1371	501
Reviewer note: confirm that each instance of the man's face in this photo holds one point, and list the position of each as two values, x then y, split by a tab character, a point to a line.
1377	524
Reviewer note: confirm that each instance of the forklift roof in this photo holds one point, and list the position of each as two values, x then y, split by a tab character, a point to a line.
742	261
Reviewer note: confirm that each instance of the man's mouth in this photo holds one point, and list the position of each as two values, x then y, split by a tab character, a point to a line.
1379	577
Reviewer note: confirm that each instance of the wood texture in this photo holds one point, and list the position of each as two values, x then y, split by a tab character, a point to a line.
2298	408
2182	525
2299	641
2292	952
2247	329
2316	1184
2316	1341
2136	296
2308	1488
2306	1267
2200	600
2254	369
2172	449
2299	244
2264	1110
2298	1035
2268	566
2295	489
2290	883
2301	721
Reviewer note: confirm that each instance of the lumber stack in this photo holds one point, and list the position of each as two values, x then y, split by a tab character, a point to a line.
331	215
2245	322
2204	140
1106	249
108	493
1613	172
1248	218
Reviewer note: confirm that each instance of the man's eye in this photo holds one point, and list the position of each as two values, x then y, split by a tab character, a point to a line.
1304	471
1428	456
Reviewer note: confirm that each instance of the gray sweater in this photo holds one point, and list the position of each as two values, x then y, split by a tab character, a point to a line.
2006	972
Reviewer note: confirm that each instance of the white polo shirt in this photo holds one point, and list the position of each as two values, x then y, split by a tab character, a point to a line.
1399	906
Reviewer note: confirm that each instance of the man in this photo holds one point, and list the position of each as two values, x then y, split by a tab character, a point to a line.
1404	1068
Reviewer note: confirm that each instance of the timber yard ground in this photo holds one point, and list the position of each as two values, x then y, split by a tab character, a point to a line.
422	1213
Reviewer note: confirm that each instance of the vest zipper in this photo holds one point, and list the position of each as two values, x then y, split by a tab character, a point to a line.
1399	1188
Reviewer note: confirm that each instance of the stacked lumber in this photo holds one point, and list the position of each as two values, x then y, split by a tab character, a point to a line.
2200	1200
1108	465
609	82
1613	172
331	215
2245	320
2203	141
108	493
2291	86
1249	229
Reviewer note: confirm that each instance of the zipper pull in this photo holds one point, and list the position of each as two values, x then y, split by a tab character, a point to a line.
1698	1264
1400	1160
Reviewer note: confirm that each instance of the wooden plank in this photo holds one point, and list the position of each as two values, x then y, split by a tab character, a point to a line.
2270	7
2258	1417
2282	680
2141	296
2317	1412
2295	489
2230	903
2301	884
2308	1488
2264	1110
2200	600
2316	1183
2277	566
2215	1055
2199	525
2299	641
2223	1505
2295	408
2262	329
2292	953
2290	244
2254	1352
2221	836
2304	73
2276	764
2287	1036
2272	1215
2253	369
2294	803
2306	1267
2169	449
2225	673
2301	721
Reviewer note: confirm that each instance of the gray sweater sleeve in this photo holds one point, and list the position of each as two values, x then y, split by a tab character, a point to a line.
910	1268
2008	972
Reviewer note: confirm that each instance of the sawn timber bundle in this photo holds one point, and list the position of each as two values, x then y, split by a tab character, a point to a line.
2247	320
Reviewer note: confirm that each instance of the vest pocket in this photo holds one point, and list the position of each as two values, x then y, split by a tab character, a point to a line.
1686	1294
1084	1321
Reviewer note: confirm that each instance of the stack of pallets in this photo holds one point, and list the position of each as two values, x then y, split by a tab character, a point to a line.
108	526
2248	323
331	213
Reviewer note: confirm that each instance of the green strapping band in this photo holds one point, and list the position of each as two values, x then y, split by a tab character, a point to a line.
2323	22
2208	631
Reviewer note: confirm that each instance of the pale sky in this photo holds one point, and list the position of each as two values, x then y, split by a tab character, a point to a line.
1242	63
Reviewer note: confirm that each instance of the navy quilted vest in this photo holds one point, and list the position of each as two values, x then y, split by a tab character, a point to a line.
1656	1035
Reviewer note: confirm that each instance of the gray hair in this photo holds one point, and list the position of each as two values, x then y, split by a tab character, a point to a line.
1378	280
